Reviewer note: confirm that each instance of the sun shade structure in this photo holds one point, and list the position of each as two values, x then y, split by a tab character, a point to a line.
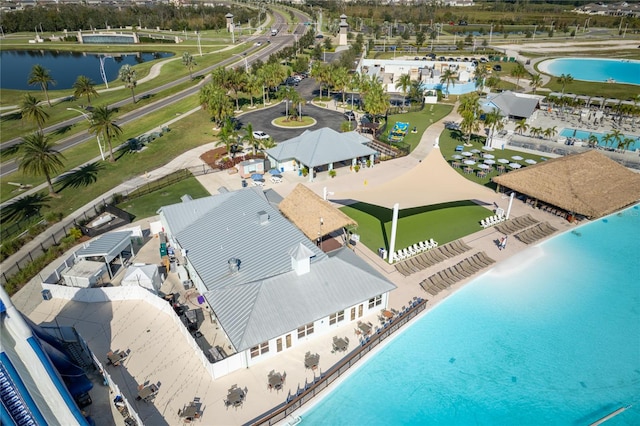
108	246
589	184
311	214
513	105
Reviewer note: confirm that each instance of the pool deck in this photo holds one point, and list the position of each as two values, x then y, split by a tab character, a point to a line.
143	330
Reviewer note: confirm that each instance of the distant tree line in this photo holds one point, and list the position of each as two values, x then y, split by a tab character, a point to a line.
74	17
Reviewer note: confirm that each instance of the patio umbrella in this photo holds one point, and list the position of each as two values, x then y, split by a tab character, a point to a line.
469	162
274	172
515	165
516	157
466	153
487	148
530	161
475	151
503	160
484	166
489	161
456	156
489	156
257	176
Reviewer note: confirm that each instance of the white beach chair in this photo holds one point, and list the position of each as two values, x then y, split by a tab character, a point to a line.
399	255
434	244
423	245
483	223
417	248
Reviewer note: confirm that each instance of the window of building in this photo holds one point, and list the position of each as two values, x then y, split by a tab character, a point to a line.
305	330
261	349
375	301
337	317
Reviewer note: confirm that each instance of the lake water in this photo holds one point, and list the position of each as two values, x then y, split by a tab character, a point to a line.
548	337
591	69
65	67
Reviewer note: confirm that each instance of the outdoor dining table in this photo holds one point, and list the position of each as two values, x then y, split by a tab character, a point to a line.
235	396
311	360
275	381
189	412
469	162
489	156
503	161
115	358
466	153
340	344
387	314
145	393
515	165
489	161
365	328
484	166
468	169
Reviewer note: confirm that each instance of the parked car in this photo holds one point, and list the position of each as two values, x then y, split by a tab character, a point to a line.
260	135
349	115
497	67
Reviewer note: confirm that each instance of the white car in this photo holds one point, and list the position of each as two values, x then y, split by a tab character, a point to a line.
260	135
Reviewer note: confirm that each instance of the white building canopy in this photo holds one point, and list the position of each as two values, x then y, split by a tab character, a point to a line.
108	246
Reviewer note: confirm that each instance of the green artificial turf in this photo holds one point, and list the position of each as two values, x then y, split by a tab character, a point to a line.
420	120
148	205
442	222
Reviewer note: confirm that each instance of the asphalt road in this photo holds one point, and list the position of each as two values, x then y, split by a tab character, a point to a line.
276	43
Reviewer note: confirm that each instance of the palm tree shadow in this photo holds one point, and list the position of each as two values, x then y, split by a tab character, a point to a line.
10	150
12	116
61	130
24	207
81	177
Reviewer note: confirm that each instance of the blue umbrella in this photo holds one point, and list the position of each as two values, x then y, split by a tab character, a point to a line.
274	172
257	176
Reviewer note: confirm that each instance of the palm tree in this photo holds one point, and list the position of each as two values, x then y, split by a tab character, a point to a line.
215	101
493	119
522	126
518	72
31	110
493	82
376	100
448	77
564	80
404	83
228	135
38	157
626	143
607	139
535	131
536	82
128	76
480	75
296	104
592	140
250	139
616	137
189	62
341	79
469	110
416	92
549	132
40	76
103	124
321	73
285	93
84	86
253	86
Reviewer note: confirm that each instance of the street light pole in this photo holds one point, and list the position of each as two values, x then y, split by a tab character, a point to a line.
84	114
199	46
243	56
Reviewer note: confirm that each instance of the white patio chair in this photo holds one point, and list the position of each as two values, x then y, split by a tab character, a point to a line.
399	255
423	245
417	248
434	244
406	252
412	251
483	223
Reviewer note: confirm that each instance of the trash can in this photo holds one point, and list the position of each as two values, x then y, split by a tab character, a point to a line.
281	169
46	295
244	183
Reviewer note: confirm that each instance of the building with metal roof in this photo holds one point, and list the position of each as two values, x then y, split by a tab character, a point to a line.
512	105
321	149
108	247
265	281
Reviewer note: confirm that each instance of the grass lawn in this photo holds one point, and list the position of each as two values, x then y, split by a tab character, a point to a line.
449	139
442	222
147	205
419	119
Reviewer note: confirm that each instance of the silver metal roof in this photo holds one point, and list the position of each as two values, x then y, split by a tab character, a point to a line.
181	215
108	245
323	146
259	311
233	230
511	105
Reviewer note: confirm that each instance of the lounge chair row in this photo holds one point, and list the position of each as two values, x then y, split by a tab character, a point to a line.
492	220
415	249
538	232
517	224
463	269
429	258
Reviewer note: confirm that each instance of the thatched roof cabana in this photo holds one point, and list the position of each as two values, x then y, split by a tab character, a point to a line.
305	209
590	184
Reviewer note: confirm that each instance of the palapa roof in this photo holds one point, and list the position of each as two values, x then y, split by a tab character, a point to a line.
590	183
304	208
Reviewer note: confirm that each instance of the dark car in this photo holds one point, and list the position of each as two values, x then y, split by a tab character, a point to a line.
497	67
349	115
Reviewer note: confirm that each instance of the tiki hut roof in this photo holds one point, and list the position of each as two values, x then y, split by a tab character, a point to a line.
304	208
590	183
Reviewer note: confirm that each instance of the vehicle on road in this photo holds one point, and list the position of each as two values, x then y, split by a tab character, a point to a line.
260	135
274	31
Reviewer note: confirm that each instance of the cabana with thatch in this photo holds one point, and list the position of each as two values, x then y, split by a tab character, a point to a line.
314	216
588	184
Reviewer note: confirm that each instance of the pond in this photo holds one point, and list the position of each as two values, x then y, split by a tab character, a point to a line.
65	67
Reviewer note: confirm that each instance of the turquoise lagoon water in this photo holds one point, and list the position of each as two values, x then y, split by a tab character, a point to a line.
551	336
584	135
591	69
